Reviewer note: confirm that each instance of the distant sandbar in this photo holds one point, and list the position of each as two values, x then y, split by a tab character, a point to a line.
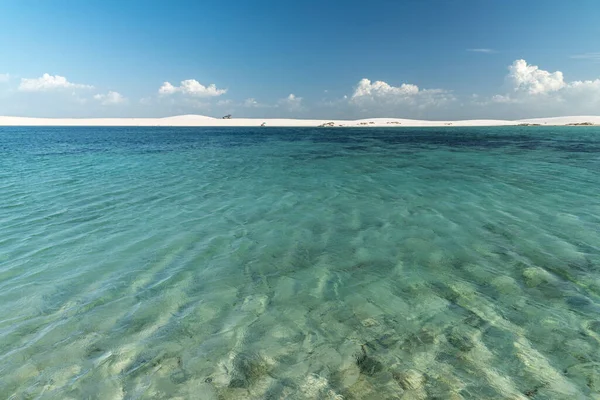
200	120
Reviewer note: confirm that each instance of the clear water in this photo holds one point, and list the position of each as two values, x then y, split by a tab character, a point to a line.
300	263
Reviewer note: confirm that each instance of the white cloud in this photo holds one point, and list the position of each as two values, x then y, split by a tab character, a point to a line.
531	79
486	51
193	88
587	56
536	92
111	98
503	99
380	89
292	103
253	103
49	82
532	82
167	88
584	92
381	93
530	91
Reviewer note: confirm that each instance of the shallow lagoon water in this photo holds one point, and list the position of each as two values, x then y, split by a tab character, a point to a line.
175	263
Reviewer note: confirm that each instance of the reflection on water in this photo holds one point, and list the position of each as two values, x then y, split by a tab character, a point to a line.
461	263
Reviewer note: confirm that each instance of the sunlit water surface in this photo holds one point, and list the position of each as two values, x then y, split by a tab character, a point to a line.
176	263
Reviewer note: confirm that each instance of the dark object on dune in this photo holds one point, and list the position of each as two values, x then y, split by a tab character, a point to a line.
228	116
581	124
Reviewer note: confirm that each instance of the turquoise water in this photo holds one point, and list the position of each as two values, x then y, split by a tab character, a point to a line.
161	263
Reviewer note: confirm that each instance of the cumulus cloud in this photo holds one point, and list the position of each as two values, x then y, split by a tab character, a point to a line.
253	103
193	88
536	92
531	82
167	88
531	79
530	91
380	89
49	82
498	98
111	98
381	93
292	103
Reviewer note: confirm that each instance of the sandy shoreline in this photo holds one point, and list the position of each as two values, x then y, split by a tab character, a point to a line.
199	120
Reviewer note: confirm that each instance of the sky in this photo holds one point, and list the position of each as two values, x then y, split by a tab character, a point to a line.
424	59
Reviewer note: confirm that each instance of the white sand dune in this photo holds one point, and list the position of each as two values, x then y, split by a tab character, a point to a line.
200	120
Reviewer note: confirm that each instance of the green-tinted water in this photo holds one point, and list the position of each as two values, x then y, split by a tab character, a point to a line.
300	263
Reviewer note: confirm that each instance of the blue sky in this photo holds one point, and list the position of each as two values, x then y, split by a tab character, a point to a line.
300	58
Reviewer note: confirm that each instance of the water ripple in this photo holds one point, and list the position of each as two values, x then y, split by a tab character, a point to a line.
299	263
